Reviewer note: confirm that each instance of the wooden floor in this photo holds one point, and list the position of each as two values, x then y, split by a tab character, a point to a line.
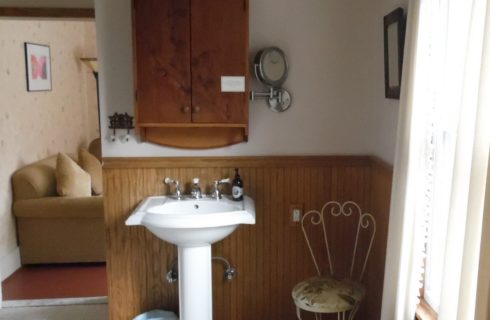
56	281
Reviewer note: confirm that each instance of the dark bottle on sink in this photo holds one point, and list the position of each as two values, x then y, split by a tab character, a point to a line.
237	187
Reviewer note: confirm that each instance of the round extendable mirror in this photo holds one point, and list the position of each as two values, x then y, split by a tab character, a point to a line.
271	67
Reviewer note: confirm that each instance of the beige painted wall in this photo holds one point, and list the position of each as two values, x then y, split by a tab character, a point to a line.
34	125
328	115
335	51
369	63
347	33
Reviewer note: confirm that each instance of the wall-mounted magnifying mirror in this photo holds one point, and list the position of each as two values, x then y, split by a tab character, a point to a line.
271	69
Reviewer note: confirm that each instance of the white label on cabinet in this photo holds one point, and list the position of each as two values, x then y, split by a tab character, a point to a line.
232	84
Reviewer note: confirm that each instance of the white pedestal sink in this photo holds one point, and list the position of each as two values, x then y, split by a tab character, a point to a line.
193	225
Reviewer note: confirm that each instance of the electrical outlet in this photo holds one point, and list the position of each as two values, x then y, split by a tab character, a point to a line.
295	214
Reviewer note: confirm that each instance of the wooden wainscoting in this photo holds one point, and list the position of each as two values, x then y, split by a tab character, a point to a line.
271	256
380	198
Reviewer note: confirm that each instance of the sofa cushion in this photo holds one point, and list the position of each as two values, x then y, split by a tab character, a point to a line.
95	148
60	207
92	166
71	180
35	180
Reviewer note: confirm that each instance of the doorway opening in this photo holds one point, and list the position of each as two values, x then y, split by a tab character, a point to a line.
36	126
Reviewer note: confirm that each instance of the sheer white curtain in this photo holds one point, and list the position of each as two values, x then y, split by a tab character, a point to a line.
444	76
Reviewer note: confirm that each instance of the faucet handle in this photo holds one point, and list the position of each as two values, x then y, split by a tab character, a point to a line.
169	180
216	193
178	192
222	181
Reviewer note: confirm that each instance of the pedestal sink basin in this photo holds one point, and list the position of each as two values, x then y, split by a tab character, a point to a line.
192	222
193	225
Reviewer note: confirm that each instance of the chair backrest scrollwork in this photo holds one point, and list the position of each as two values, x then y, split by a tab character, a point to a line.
333	209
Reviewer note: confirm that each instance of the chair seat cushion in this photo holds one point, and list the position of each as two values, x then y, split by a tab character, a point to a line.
327	295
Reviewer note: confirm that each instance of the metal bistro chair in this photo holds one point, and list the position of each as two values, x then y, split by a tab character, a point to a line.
327	293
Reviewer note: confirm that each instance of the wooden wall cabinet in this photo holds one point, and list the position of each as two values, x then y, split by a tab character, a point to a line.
182	48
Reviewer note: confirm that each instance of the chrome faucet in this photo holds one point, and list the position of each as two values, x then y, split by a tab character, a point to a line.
215	191
178	192
196	189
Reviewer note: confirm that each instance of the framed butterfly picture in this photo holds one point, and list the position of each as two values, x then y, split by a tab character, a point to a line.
38	67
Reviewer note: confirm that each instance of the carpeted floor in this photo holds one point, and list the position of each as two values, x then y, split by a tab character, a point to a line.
56	281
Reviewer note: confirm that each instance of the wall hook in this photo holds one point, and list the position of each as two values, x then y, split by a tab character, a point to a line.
121	121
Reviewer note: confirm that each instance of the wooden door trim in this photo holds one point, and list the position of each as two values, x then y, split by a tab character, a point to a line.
21	12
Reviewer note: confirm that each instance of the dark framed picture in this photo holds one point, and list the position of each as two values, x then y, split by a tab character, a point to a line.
38	67
394	41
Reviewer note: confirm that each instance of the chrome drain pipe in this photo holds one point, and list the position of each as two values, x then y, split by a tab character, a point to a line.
229	274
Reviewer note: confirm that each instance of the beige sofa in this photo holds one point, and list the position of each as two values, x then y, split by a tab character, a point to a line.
54	229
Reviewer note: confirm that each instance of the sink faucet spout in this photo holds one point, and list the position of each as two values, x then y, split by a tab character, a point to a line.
196	189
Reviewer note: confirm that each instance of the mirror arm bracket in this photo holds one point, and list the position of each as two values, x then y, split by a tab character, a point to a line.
278	99
269	95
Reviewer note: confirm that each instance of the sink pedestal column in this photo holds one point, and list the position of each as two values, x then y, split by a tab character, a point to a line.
195	283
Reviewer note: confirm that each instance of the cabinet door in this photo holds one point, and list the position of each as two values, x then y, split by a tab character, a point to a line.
219	37
162	54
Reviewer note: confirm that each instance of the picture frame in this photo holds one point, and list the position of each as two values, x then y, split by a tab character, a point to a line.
394	41
38	67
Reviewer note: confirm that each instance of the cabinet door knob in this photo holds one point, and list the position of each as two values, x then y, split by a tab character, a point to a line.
196	109
186	109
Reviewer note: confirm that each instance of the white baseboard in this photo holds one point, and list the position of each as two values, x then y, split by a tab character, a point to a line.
54	302
9	264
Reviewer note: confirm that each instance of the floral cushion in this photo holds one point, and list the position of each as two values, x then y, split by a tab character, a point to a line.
327	295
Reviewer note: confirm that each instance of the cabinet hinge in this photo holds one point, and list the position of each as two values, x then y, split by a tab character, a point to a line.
136	96
245	5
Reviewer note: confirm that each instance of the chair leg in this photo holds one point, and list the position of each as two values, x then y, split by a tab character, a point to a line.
298	313
353	312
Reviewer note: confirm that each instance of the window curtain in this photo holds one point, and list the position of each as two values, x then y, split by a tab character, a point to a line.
445	65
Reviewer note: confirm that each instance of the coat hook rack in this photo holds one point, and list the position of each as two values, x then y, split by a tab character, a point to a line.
121	121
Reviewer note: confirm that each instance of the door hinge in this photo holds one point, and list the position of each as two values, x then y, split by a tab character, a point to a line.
136	96
245	5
